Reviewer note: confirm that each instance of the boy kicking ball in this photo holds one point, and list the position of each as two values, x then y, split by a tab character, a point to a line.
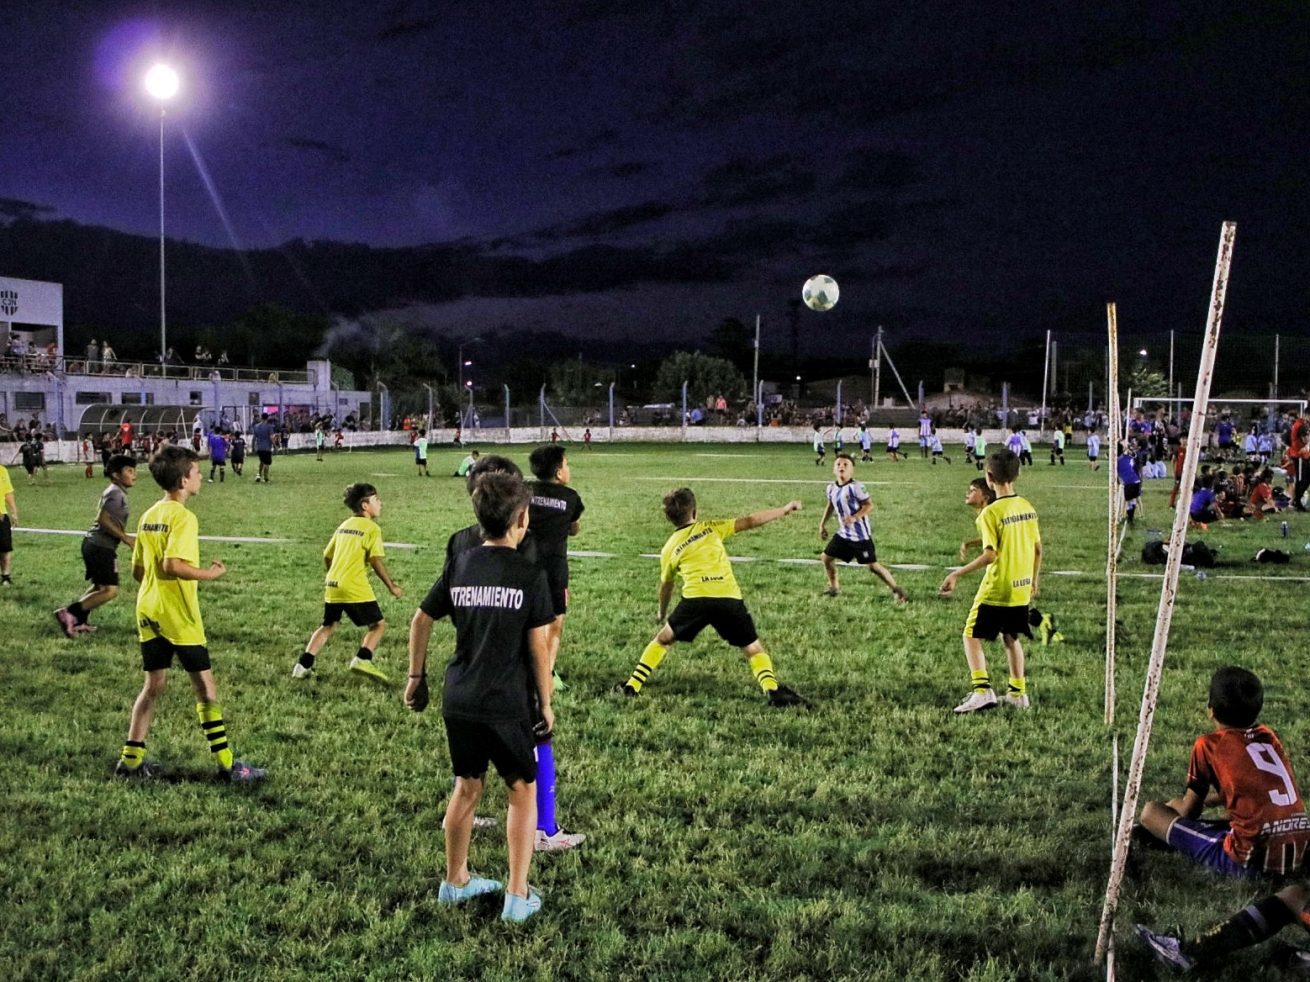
850	502
355	547
1012	557
710	595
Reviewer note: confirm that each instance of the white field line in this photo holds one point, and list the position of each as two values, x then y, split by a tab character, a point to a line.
750	480
203	538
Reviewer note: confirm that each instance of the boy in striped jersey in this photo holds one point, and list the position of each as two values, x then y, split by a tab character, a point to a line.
850	502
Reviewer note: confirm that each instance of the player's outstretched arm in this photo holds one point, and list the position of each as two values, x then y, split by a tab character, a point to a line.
756	519
380	568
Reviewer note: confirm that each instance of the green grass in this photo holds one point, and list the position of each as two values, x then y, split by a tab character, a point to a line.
875	837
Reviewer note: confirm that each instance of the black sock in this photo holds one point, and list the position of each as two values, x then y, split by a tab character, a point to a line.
364	653
1249	926
78	611
307	659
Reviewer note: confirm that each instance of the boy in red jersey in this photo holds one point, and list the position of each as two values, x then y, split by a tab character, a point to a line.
1242	766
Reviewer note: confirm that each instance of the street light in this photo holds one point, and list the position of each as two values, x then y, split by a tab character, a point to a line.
462	362
162	83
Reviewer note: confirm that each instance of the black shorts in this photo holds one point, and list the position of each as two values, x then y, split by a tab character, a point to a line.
265	457
508	745
727	615
363	614
987	622
850	551
101	564
1132	491
157	654
6	534
556	569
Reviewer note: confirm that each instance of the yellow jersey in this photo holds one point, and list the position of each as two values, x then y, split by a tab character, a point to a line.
355	542
6	485
167	607
696	552
1009	527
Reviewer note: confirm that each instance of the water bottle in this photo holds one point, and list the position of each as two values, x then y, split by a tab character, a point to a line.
1200	574
1284	529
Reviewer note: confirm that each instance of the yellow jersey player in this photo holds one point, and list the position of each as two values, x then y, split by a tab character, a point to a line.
7	526
710	595
355	547
1012	556
166	562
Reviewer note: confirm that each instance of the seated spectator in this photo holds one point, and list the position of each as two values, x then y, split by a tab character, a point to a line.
1260	501
1204	506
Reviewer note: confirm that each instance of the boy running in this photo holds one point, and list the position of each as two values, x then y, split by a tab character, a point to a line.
968	445
355	546
100	547
166	562
7	526
1012	557
894	444
710	595
500	606
850	502
935	445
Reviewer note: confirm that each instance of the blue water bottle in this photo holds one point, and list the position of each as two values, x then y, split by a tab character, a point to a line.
1283	528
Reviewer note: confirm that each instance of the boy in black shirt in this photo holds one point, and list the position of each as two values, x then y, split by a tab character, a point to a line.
501	610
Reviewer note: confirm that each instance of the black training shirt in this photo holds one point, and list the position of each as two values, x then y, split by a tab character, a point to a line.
494	597
471	537
553	509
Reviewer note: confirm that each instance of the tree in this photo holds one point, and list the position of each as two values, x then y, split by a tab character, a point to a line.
1144	380
706	375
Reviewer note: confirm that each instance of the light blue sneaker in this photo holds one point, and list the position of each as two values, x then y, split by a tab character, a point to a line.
519	909
1165	947
475	887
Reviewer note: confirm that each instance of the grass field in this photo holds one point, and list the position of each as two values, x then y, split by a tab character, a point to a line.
875	836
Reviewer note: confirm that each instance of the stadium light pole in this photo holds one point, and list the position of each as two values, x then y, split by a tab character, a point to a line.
460	371
162	84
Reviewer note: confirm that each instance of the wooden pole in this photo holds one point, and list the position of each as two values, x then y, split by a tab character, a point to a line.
1168	592
1112	507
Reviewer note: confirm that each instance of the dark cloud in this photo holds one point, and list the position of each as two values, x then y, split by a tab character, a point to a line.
746	181
626	169
334	153
602	137
615	220
408	28
873	168
14	208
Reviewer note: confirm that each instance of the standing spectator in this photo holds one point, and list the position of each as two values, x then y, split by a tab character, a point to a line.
107	357
1299	452
92	357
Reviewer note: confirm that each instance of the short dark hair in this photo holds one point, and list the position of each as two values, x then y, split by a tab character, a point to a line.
981	484
546	461
842	455
117	463
264	417
356	494
1003	466
170	465
498	498
491	464
1236	696
679	506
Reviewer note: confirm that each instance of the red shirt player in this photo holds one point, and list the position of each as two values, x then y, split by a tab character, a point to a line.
1299	452
125	435
586	439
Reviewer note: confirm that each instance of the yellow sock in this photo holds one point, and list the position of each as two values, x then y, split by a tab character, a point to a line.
1018	687
762	668
981	683
646	665
134	753
211	724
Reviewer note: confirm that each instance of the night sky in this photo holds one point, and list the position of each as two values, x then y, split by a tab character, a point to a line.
964	170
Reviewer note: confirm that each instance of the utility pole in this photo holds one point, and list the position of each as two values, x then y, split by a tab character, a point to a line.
755	382
875	364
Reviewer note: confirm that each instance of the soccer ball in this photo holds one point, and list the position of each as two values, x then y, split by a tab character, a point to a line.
820	292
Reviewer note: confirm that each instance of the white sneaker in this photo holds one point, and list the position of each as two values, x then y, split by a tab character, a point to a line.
558	842
299	671
1016	702
977	702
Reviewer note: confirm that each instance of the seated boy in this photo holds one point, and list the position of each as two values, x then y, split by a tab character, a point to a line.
466	464
850	502
1250	926
1242	766
710	595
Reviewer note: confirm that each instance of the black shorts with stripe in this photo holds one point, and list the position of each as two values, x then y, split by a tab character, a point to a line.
859	551
987	622
727	615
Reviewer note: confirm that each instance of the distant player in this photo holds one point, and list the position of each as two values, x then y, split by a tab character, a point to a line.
1012	558
925	433
421	454
354	549
968	445
100	547
820	451
262	433
238	453
710	595
894	444
1057	446
1126	470
586	438
866	444
850	502
217	455
1025	449
979	448
1094	450
500	606
8	522
466	465
320	441
166	562
935	445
